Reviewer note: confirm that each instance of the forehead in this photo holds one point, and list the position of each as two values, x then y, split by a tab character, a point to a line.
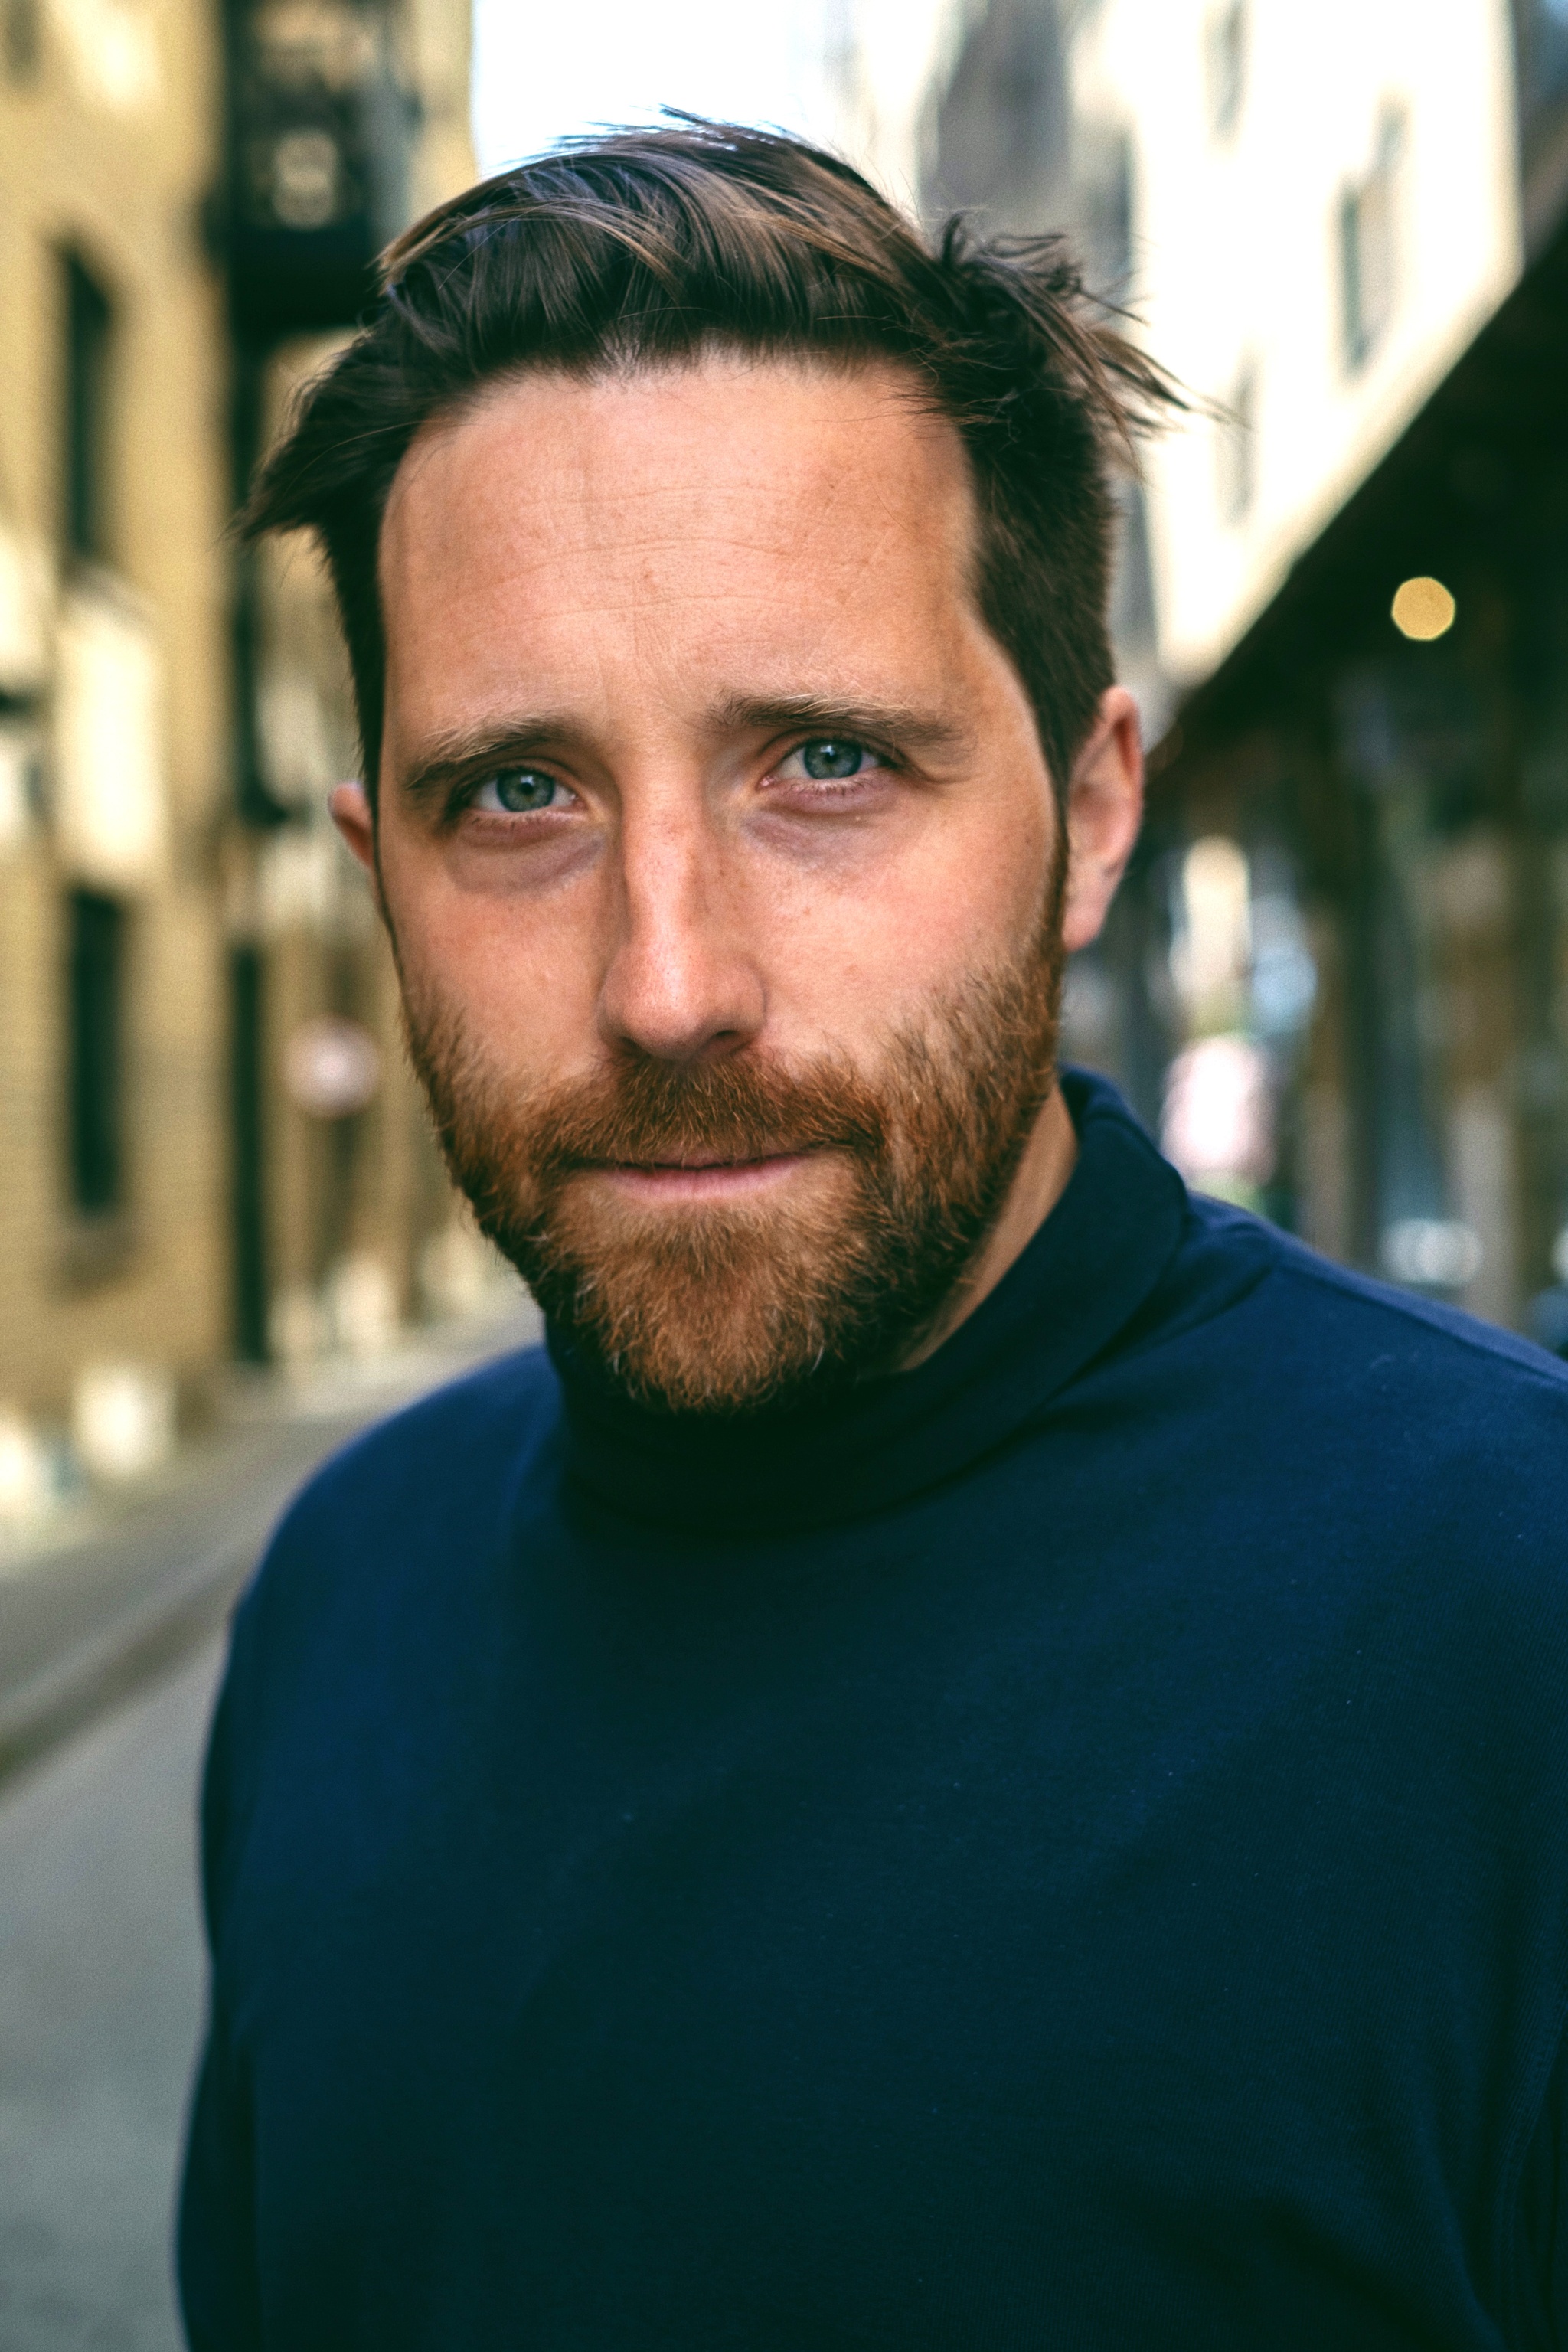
728	508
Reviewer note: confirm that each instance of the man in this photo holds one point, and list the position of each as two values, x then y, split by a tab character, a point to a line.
977	1756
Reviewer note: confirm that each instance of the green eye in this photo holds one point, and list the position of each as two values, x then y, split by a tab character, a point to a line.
518	791
831	756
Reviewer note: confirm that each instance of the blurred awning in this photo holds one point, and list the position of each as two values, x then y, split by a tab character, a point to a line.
1479	480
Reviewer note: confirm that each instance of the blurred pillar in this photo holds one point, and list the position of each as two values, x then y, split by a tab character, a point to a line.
247	1124
317	153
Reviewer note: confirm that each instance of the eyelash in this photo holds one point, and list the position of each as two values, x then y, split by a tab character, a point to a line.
880	760
467	795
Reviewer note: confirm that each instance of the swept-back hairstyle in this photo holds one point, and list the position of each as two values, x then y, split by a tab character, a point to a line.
648	247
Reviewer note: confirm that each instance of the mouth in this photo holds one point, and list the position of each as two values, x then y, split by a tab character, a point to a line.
700	1179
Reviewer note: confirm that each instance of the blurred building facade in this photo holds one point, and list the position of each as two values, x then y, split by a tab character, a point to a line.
1337	979
113	722
177	178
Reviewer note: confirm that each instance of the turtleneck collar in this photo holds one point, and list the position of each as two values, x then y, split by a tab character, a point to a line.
1093	1263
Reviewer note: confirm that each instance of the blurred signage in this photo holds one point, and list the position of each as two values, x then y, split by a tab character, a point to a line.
111	794
1218	1123
320	128
331	1067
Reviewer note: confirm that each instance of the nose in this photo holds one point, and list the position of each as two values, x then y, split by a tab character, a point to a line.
683	982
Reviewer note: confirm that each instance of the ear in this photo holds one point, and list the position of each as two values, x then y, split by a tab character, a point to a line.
352	815
1105	809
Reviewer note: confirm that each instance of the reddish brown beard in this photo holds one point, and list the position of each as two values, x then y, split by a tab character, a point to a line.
727	1309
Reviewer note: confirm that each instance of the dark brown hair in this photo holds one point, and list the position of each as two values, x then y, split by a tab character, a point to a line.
648	247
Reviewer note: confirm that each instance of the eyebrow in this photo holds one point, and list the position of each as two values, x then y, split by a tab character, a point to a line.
903	723
459	753
452	756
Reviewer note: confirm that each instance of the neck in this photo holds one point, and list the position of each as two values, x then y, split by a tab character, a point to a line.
1038	1183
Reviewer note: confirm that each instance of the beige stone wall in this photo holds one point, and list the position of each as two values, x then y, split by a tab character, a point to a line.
110	147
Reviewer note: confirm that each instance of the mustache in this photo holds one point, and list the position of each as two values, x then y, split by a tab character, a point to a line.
642	1112
725	1310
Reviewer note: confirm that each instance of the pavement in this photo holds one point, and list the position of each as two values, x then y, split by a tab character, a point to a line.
110	1647
102	1972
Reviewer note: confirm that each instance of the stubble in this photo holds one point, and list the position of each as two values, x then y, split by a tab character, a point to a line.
729	1309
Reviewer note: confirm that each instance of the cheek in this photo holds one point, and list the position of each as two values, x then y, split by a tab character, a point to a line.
518	972
862	951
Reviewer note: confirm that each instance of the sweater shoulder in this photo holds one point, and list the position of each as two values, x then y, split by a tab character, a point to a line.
1371	1397
1441	1342
438	1477
1329	1382
1308	1298
467	1433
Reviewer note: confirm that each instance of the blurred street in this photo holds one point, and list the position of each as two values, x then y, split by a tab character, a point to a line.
100	1996
109	1650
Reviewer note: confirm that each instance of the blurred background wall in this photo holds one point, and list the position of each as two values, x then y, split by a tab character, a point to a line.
208	1146
1335	981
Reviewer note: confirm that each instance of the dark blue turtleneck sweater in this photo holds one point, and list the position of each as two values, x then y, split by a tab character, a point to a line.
1069	1849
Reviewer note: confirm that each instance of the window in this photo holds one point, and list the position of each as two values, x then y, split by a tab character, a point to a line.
1225	66
86	414
1368	249
96	987
1235	449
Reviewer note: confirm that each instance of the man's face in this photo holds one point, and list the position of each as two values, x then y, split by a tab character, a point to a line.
720	855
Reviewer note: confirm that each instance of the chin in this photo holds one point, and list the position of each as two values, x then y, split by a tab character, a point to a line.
697	1309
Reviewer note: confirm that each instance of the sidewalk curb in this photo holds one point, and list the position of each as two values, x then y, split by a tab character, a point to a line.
121	1659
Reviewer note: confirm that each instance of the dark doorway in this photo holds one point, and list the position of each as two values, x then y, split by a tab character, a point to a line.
97	1011
88	324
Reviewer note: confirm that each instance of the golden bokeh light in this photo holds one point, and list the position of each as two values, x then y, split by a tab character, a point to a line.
1423	608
